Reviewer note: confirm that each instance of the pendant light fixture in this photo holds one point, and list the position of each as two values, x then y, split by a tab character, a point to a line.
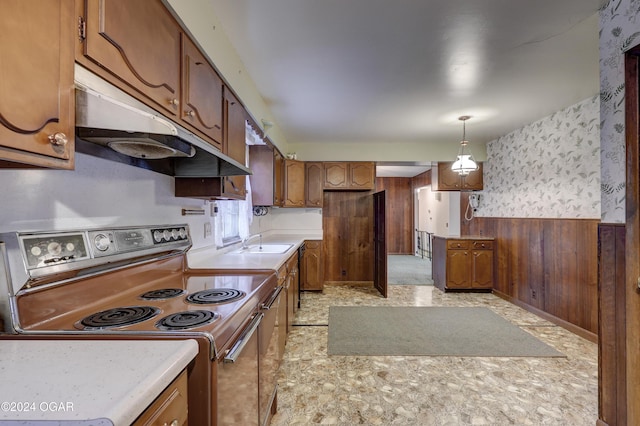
464	163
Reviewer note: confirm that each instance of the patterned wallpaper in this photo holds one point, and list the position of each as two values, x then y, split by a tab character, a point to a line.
619	31
548	169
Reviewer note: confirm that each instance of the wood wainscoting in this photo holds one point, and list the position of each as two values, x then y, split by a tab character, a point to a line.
547	266
612	381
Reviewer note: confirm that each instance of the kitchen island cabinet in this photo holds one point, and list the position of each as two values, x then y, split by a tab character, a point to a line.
94	382
463	263
37	97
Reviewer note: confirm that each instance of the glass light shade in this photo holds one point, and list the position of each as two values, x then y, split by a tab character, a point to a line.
464	163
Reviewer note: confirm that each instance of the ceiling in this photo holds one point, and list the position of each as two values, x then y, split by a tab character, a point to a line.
405	70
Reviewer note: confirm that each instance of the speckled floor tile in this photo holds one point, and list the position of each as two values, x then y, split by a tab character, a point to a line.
383	390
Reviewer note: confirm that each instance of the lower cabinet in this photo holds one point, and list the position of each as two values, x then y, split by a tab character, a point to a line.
312	277
170	407
463	263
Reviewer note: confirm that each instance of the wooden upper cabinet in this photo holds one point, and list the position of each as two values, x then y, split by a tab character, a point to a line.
314	179
349	176
138	43
201	106
235	145
294	186
37	98
448	180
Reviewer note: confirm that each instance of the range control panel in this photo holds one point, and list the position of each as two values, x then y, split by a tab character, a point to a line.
51	249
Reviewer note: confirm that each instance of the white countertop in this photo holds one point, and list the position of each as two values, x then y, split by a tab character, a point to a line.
81	382
210	258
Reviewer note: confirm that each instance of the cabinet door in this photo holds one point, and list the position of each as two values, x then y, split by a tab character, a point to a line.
458	269
474	180
294	172
335	176
139	43
278	178
312	278
234	144
313	182
362	176
201	106
448	180
482	269
36	83
261	162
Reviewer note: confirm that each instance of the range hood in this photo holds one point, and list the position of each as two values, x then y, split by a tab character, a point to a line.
113	125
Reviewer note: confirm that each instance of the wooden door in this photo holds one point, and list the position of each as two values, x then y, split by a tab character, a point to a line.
631	306
36	83
201	106
379	243
311	268
458	269
138	42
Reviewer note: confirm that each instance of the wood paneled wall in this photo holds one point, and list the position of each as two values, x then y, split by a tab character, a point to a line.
347	222
612	382
399	213
423	179
549	266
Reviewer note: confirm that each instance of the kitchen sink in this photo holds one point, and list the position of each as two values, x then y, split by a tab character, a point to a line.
264	249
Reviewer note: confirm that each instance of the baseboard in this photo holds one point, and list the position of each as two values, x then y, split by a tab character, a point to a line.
593	337
349	283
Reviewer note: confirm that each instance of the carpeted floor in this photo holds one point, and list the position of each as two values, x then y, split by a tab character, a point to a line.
408	270
429	331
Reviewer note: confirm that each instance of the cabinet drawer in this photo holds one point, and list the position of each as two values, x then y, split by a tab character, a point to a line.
170	408
458	244
483	245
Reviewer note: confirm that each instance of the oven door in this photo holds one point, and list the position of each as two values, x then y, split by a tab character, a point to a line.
237	400
270	354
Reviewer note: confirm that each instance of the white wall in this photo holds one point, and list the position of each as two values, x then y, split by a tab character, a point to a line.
435	212
97	193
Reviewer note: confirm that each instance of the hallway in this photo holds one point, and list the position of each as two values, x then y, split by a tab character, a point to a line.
377	390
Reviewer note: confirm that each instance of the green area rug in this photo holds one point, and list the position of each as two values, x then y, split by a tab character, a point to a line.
408	270
429	331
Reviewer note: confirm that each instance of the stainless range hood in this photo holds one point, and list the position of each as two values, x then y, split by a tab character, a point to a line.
113	125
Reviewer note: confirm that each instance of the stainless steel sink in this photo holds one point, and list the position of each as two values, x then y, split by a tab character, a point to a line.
264	249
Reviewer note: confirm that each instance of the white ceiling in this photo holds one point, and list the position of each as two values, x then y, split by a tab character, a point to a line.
405	70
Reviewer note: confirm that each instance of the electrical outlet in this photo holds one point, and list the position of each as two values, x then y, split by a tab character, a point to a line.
533	294
207	229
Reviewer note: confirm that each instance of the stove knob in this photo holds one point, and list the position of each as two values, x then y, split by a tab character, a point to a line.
174	234
102	242
183	233
157	236
36	251
54	248
70	247
167	234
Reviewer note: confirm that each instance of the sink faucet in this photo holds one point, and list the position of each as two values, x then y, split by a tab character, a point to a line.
246	240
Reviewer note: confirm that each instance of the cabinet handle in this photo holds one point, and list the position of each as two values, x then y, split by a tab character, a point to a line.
58	139
174	102
174	422
190	113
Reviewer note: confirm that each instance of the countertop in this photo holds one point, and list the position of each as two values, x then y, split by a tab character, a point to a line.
227	258
86	382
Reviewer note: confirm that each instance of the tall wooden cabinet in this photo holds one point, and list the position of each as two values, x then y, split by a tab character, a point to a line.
462	263
37	98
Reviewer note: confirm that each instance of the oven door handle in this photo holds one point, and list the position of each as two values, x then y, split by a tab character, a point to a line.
236	350
266	306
